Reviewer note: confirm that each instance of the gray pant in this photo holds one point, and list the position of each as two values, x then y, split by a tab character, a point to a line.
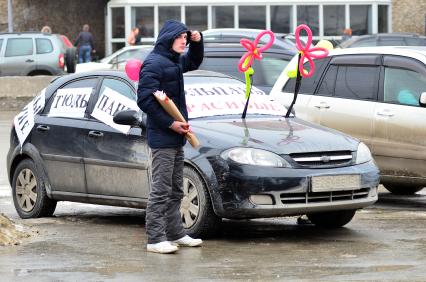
163	220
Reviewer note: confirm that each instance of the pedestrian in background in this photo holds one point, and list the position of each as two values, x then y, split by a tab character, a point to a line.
131	39
46	29
162	71
85	43
347	34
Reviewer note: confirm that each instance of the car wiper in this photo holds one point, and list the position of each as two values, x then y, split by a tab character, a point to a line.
296	88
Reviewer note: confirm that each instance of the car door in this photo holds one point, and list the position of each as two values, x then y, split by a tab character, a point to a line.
306	91
399	125
19	58
116	163
59	133
347	95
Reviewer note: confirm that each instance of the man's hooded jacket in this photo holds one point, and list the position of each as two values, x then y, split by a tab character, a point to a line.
163	70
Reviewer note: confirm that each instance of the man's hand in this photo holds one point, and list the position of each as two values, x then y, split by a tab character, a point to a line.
195	36
180	127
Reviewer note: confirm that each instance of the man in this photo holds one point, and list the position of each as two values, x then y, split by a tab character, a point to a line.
85	40
162	70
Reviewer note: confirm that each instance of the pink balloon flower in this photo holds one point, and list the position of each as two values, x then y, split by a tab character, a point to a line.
252	51
308	52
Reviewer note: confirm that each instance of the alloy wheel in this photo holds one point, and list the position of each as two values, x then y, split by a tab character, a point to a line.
26	193
190	207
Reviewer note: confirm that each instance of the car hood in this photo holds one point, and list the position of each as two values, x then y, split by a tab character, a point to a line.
280	135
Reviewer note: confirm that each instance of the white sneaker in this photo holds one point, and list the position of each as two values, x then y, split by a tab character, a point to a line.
164	247
187	241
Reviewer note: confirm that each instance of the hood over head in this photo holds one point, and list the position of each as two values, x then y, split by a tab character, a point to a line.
168	33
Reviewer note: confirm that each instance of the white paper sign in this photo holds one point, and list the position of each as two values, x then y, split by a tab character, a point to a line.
205	100
70	102
109	103
24	121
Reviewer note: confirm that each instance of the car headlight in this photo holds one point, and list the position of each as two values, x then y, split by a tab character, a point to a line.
254	157
363	154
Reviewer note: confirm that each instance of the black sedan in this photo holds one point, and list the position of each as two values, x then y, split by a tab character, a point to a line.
65	146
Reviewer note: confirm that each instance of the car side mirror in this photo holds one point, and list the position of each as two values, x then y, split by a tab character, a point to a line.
422	99
129	117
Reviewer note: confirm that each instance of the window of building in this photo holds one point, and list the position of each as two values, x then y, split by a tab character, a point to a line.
403	86
117	22
223	16
383	18
117	46
19	47
360	19
281	19
357	82
196	17
43	46
309	15
334	19
168	13
143	17
252	17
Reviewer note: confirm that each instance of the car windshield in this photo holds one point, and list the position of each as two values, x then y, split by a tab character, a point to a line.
209	96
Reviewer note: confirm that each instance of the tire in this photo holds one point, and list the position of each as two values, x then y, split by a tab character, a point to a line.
29	192
333	219
71	59
403	189
196	209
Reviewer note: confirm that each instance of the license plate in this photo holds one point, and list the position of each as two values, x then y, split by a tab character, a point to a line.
330	183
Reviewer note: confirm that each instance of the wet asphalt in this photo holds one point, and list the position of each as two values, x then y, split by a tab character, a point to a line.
386	242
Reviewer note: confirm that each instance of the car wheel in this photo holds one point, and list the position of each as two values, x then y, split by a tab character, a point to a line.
29	192
403	189
196	208
333	219
71	59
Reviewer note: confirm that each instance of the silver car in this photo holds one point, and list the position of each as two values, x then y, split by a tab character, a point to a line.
376	94
35	53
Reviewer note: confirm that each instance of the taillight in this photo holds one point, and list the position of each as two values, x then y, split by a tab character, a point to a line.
61	61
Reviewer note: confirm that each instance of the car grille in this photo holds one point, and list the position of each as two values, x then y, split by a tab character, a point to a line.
323	159
323	197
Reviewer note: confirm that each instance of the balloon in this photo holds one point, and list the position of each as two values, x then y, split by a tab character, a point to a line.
307	52
325	44
247	75
132	68
252	51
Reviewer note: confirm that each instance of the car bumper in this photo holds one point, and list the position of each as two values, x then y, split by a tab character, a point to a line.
248	192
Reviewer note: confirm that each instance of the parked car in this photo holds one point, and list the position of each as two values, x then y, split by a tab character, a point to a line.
376	94
35	53
234	35
262	166
118	59
224	58
385	39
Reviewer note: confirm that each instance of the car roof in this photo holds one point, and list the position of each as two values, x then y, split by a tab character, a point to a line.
236	47
406	51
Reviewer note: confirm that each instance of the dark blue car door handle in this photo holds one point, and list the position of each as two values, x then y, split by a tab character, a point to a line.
95	134
43	128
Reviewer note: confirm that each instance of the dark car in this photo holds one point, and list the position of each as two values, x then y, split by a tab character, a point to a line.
224	58
262	166
234	35
385	39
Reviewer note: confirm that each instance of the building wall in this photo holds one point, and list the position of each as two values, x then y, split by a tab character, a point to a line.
63	16
409	16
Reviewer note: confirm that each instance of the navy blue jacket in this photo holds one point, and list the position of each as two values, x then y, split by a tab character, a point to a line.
163	70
